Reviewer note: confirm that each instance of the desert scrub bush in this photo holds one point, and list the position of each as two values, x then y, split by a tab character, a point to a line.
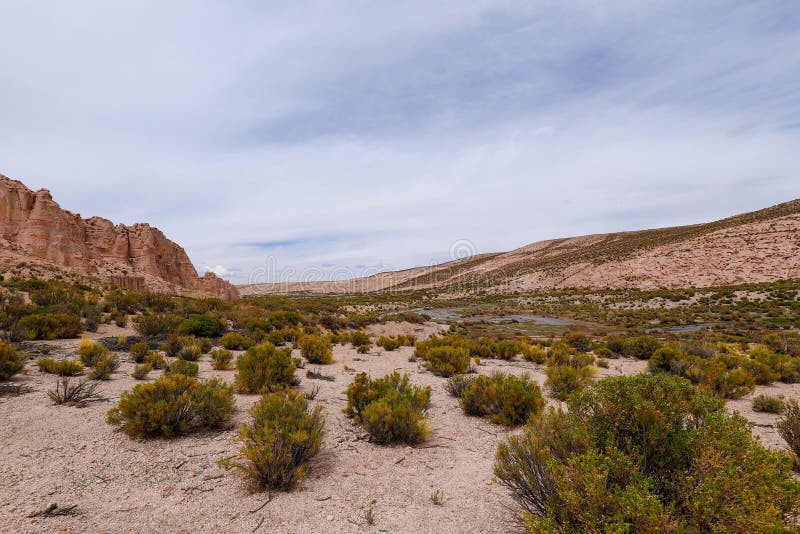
316	349
663	359
578	341
172	345
221	359
648	453
284	335
50	326
447	361
61	368
767	404
457	384
390	343
103	367
73	393
202	325
190	353
140	372
235	341
359	338
563	380
390	408
534	353
789	428
615	343
183	367
12	360
173	405
506	399
156	324
155	359
605	353
90	352
641	347
263	368
138	351
282	435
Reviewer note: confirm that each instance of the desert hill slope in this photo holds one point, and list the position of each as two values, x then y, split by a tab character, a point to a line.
760	246
35	230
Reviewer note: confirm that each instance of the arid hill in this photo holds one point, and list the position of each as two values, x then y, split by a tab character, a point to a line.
35	230
761	246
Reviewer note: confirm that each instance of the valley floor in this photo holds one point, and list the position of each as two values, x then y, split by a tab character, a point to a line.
69	455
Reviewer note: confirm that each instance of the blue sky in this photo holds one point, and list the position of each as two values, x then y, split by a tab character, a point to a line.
330	139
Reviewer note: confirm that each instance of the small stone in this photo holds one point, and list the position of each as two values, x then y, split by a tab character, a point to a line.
329	518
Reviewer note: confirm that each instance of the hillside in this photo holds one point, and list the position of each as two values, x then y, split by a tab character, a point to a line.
760	246
35	231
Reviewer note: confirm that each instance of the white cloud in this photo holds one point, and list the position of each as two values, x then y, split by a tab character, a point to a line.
369	137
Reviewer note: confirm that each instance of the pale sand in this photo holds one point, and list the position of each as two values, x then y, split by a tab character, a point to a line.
64	455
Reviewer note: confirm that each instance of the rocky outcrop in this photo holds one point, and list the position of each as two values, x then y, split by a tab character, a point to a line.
34	227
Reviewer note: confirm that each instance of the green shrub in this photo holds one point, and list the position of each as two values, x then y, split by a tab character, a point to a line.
359	338
140	372
204	344
641	347
578	341
104	367
457	384
12	360
221	359
563	380
447	361
61	368
235	341
263	368
316	349
90	352
202	325
363	349
173	345
606	353
789	427
534	353
157	324
648	453
389	408
284	335
183	367
765	403
173	405
138	351
156	360
663	359
50	326
615	343
506	399
190	353
282	436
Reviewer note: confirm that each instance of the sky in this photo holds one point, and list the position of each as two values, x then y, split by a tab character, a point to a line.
328	139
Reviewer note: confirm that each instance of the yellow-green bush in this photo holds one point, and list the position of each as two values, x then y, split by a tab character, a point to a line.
156	324
221	359
138	351
563	380
506	399
90	352
50	326
173	405
282	435
183	367
765	403
104	366
61	368
140	372
391	409
395	342
641	347
155	359
316	349
789	428
12	360
235	341
263	368
447	361
646	454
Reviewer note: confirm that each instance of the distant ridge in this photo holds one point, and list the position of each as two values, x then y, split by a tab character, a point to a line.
760	246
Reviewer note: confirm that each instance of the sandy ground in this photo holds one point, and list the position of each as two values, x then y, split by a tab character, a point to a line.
67	455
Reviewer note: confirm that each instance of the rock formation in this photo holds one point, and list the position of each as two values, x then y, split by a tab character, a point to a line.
34	228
